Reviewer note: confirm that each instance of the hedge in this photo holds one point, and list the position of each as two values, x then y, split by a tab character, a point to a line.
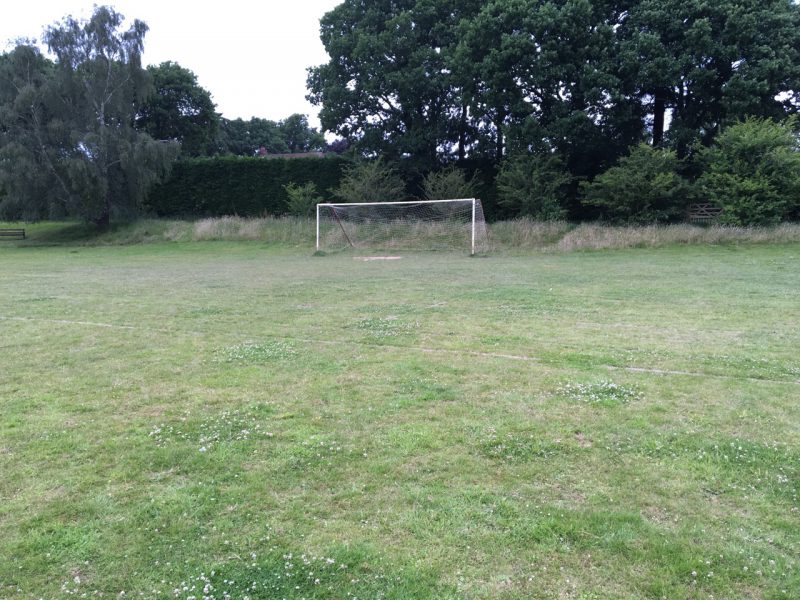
234	185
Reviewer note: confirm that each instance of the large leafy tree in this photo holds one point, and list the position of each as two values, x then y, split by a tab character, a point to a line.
388	87
73	123
245	138
299	136
31	184
708	64
178	108
544	76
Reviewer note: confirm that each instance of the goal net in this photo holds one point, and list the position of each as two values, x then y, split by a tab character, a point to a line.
417	225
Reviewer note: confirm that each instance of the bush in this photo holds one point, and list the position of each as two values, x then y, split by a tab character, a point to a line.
644	187
448	184
303	199
234	185
371	181
753	172
535	186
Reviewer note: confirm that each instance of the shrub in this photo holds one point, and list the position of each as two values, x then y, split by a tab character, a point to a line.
644	187
534	186
448	184
303	199
753	172
371	181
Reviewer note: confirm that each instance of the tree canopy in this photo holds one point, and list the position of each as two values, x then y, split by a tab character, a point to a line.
71	123
246	138
438	79
179	109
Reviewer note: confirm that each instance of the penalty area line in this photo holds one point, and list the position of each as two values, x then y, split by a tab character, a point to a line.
95	324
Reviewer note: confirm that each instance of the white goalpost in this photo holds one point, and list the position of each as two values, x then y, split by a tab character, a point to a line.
412	225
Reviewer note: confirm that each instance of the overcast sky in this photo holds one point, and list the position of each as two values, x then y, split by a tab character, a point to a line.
251	56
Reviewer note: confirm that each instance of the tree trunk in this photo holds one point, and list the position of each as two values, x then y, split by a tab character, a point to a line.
462	133
103	222
659	109
500	139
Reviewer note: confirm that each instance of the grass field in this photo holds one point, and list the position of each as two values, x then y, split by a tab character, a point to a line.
201	419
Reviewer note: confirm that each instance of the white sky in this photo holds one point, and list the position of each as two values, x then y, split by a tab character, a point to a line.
251	55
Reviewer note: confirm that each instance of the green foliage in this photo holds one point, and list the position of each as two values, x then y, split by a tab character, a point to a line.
298	136
99	79
244	138
711	63
644	187
68	143
303	199
247	138
388	87
371	181
449	183
243	186
753	172
543	77
535	186
28	147
179	109
432	79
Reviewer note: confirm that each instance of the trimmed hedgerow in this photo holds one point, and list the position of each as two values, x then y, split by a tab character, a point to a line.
234	185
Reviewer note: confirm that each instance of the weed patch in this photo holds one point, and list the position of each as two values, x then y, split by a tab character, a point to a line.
254	352
386	327
602	393
227	427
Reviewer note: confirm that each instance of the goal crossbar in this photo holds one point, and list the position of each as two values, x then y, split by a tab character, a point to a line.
410	224
396	203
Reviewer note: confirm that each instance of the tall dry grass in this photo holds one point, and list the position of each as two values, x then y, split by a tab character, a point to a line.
526	234
504	236
599	237
509	236
288	230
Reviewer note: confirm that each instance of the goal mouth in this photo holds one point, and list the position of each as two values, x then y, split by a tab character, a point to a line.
417	225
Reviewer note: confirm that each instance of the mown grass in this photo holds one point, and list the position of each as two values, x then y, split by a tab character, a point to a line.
188	419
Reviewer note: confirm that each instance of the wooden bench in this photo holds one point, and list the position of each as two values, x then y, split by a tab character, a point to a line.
12	234
703	213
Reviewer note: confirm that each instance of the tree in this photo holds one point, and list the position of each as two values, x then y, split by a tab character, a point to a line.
543	77
245	138
179	109
303	199
371	181
753	172
104	163
388	86
298	136
448	184
535	186
644	187
707	64
31	185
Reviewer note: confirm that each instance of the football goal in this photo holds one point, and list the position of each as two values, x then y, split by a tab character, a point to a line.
413	225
